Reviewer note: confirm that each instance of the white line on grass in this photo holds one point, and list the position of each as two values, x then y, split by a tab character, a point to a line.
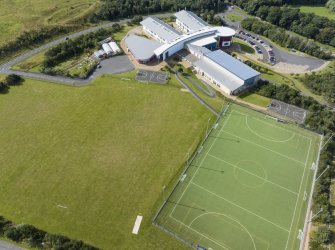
266	180
263	137
296	203
237	221
201	187
272	125
264	147
199	165
207	237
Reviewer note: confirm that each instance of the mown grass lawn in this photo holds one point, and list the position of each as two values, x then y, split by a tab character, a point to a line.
317	10
103	151
256	99
233	17
245	47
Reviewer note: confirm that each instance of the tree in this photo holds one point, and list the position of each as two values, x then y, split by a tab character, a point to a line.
3	88
137	19
331	5
274	15
13	79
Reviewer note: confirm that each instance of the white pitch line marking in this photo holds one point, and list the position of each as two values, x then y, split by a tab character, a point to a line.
264	147
266	180
200	164
274	224
209	238
296	203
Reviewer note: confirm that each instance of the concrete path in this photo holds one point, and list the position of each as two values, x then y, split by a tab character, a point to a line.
195	94
208	91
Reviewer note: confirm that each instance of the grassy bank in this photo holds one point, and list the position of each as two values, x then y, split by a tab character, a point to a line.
20	15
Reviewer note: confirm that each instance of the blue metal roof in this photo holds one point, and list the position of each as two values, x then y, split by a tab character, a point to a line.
233	65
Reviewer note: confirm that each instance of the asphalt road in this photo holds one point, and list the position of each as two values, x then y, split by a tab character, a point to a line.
6	67
7	246
312	63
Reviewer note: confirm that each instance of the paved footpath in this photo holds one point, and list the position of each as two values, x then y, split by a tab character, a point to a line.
5	68
4	245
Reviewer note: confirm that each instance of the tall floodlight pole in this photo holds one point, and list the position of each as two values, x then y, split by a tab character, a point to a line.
321	209
327	142
322	173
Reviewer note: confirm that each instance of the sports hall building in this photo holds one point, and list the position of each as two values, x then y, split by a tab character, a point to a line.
203	41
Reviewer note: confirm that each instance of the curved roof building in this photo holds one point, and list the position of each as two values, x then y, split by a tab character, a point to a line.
141	47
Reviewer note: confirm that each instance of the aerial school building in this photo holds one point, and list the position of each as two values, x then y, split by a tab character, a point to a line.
205	42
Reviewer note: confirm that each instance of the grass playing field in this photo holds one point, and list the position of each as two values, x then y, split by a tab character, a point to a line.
248	186
317	10
102	151
21	15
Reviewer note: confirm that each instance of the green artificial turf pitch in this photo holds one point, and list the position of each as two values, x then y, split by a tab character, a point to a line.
248	188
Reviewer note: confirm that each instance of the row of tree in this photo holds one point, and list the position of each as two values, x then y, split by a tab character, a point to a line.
10	80
32	38
37	238
72	48
309	25
284	39
114	9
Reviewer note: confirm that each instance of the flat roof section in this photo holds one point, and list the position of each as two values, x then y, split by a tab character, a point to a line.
191	20
161	29
225	31
204	41
206	31
142	48
218	75
233	65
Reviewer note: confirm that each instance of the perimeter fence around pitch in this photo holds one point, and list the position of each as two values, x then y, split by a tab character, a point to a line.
179	180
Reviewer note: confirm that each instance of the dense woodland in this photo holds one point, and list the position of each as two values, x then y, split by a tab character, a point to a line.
113	9
323	84
281	37
306	24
